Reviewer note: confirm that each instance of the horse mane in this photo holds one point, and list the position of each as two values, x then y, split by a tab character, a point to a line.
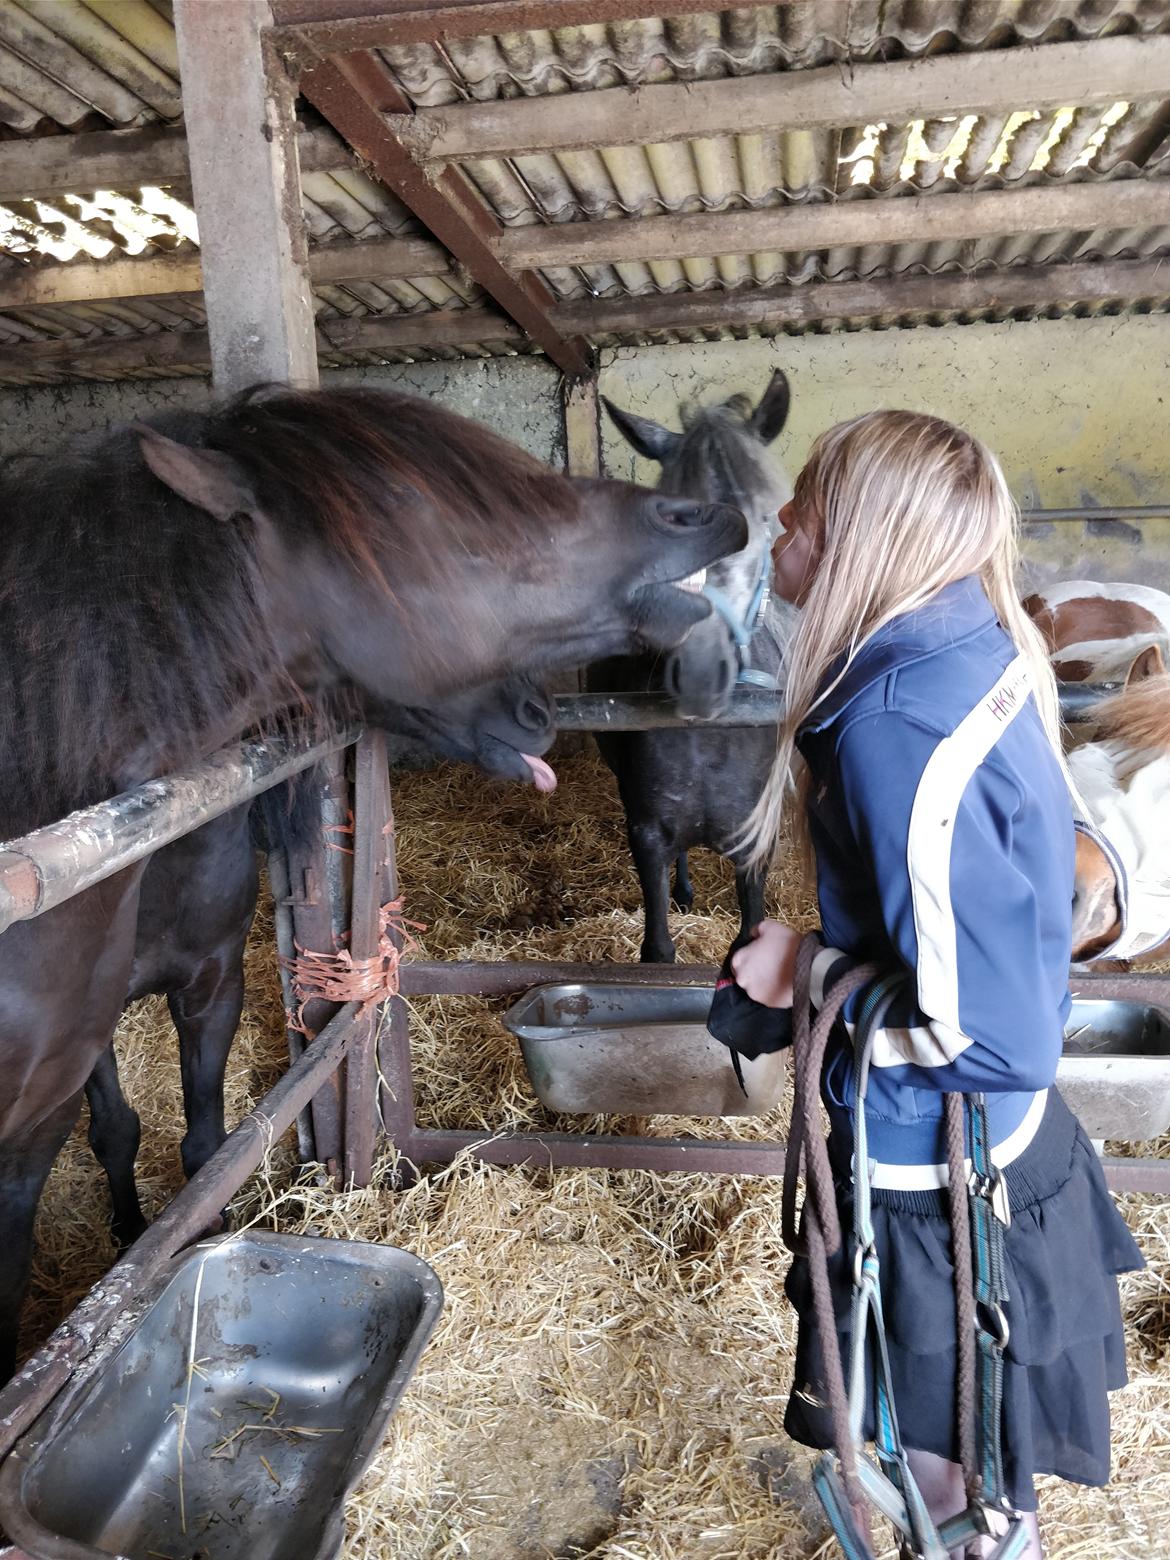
1137	719
134	627
378	474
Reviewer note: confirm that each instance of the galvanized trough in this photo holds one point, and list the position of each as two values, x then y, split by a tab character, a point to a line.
608	1047
1115	1072
247	1400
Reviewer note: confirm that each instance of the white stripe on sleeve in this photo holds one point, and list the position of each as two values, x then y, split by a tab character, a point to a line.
928	847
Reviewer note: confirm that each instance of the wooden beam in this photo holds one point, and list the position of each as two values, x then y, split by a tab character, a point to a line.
354	92
103	356
239	101
161	275
335	26
1019	287
1107	70
1022	287
582	430
128	159
911	219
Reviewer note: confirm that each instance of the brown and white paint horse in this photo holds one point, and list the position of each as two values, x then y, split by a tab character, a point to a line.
1117	633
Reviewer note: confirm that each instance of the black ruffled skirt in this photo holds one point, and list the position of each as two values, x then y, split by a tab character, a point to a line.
1065	1245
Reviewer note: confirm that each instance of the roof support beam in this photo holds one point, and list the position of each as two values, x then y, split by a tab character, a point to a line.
1020	287
1024	287
1107	70
332	26
924	219
241	136
128	159
103	356
163	275
354	92
1122	204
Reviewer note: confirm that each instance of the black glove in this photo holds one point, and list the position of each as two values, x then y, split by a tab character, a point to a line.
744	1026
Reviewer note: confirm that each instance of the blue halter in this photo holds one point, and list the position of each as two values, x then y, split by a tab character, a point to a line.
743	630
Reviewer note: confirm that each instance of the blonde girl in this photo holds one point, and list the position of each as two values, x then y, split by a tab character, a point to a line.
919	764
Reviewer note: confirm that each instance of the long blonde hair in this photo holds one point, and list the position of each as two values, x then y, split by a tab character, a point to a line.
907	503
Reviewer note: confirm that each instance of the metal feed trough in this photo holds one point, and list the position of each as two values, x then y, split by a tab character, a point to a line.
232	1420
331	1090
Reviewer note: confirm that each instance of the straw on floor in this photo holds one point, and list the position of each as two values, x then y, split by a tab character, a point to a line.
610	1373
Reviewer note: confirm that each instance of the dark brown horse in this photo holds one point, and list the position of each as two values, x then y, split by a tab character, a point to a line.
164	588
195	910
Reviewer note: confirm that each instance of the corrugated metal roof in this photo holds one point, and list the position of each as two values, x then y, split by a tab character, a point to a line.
72	65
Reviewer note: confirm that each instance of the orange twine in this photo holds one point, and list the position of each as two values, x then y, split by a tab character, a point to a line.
339	977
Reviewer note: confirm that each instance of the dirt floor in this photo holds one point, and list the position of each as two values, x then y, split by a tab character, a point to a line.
610	1373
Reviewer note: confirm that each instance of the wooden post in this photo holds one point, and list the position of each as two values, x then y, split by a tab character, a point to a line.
582	433
372	856
238	104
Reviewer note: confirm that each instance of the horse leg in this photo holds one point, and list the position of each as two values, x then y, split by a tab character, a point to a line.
652	851
114	1136
25	1162
206	1014
684	893
749	894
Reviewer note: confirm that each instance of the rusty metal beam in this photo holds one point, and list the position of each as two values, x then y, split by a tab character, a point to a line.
354	93
333	26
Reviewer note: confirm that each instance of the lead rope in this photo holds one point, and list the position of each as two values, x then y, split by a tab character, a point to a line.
854	1481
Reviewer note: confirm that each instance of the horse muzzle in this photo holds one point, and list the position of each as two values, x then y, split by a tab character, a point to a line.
700	675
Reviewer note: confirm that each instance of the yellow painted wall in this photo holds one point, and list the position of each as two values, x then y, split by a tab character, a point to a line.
1077	410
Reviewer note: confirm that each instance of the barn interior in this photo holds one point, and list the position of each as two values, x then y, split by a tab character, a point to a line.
514	208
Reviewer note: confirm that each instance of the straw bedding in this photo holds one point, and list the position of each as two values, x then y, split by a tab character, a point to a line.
609	1376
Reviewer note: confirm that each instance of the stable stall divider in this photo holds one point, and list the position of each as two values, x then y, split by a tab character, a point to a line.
340	888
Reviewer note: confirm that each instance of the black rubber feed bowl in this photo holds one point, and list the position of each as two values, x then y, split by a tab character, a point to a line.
248	1399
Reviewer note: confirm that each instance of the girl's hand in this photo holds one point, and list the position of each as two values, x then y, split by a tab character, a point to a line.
765	967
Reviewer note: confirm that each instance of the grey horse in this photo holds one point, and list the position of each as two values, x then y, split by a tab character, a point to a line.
682	788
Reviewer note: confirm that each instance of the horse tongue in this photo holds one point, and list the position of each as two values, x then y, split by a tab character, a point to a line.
543	775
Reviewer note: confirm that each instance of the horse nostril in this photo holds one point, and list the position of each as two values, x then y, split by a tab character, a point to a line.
686	516
534	716
671	677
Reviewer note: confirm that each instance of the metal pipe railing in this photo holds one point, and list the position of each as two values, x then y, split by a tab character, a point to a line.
51	865
748	707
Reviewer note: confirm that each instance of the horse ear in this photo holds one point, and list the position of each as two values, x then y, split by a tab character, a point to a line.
771	414
206	478
1147	663
648	438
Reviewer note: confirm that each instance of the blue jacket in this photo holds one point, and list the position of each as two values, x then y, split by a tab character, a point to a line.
943	832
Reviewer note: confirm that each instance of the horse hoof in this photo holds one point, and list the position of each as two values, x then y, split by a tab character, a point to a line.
682	902
652	955
125	1235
